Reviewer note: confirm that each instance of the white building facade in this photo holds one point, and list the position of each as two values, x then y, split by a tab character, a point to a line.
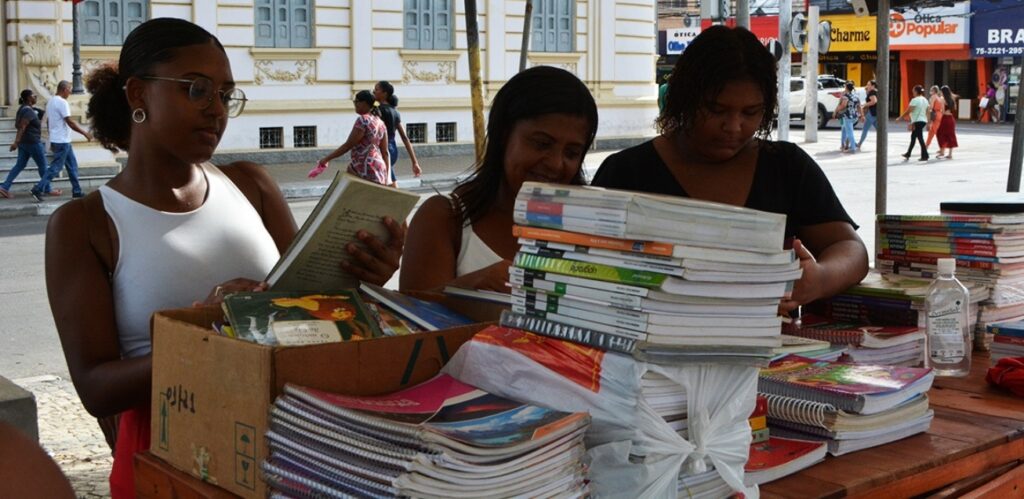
300	61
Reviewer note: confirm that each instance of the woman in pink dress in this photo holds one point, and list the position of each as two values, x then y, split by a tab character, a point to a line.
368	143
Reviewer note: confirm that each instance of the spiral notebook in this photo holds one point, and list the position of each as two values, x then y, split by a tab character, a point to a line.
860	389
850	333
825	420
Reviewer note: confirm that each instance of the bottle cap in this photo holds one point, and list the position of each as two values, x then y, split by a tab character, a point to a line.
947	265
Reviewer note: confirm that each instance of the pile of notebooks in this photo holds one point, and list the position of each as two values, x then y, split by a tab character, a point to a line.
987	240
849	406
860	343
667	279
1007	340
441	438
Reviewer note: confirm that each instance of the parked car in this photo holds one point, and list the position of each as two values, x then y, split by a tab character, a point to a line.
830	91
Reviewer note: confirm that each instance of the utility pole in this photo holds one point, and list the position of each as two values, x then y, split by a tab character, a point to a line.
811	78
785	66
526	35
882	109
743	13
76	53
1017	148
475	82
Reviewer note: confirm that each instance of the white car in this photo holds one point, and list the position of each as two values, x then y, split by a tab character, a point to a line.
830	91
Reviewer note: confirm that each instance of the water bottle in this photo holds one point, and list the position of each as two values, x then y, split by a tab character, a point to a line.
948	341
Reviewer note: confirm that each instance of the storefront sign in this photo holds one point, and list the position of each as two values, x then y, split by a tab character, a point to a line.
932	28
851	33
997	28
676	40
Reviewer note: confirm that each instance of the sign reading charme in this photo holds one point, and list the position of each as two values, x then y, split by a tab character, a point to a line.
939	27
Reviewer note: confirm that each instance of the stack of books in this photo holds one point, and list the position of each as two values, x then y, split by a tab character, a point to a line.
988	247
807	346
441	438
1007	340
887	345
851	407
667	279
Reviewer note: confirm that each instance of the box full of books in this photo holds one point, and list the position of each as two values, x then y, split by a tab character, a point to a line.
214	382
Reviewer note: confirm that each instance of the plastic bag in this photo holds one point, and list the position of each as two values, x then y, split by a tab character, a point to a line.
318	169
633	452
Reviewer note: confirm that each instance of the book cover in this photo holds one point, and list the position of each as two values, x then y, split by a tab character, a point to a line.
779	457
577	334
312	261
543	206
589	270
850	333
428	315
253	315
576	238
1012	329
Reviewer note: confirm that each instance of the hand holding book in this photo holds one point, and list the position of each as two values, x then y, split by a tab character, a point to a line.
381	260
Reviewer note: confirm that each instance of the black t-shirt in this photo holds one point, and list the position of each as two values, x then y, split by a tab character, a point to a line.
390	116
786	180
32	131
873	109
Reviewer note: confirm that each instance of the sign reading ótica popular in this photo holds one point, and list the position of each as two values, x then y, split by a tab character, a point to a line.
931	28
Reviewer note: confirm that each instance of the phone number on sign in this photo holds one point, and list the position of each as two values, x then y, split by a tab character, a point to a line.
998	50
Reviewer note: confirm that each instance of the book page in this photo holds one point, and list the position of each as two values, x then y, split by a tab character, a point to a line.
313	261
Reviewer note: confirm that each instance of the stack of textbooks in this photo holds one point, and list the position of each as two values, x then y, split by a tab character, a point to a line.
1007	340
665	278
863	344
807	346
987	245
441	438
851	407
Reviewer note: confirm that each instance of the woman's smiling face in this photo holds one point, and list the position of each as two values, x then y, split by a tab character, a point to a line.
548	148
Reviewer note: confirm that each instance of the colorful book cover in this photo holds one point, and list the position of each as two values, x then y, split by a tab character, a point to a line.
252	315
820	328
429	315
1012	329
843	379
777	452
590	270
561	236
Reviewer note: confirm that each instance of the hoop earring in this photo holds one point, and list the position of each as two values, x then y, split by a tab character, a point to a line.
139	115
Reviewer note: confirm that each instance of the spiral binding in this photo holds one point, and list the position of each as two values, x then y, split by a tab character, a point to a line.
797	410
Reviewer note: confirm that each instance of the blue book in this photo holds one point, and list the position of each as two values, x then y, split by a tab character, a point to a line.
1015	329
428	315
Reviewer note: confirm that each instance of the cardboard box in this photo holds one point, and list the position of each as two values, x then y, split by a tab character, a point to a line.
212	394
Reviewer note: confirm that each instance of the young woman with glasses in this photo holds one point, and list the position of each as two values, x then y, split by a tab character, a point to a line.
169	228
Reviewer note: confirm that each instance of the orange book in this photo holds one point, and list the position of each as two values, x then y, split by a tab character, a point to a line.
758	423
561	236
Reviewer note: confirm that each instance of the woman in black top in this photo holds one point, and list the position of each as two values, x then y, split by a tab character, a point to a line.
27	141
714	145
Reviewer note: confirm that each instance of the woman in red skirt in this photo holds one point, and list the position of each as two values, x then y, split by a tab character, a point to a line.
947	129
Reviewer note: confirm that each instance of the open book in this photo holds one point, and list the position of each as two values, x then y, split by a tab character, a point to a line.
313	261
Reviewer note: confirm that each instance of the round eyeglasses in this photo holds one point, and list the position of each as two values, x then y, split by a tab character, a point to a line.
201	92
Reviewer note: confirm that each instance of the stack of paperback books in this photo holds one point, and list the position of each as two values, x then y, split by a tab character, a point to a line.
441	438
852	407
1007	340
988	247
667	279
886	345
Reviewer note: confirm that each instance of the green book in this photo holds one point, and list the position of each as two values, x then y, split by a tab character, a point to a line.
589	270
254	316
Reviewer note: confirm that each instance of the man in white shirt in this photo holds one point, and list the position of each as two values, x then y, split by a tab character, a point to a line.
58	119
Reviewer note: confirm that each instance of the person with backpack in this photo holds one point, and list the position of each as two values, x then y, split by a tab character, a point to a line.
848	112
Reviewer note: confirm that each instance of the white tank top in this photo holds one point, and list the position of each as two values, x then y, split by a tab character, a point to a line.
169	260
474	253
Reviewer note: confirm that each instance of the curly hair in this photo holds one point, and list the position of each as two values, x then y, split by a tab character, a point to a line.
718	56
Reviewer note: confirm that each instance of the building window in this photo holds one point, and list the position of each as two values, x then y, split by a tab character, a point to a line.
552	25
428	24
284	23
304	136
446	132
417	133
271	138
108	22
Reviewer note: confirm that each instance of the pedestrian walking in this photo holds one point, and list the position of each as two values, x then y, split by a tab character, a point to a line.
384	93
936	105
988	105
947	131
848	111
917	112
368	144
27	142
60	123
869	113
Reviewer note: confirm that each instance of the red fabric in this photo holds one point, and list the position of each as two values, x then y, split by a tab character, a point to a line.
132	437
947	132
1009	374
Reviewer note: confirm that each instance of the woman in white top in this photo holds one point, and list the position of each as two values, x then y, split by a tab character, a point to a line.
165	231
541	124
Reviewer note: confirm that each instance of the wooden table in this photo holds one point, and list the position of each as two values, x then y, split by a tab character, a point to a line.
976	442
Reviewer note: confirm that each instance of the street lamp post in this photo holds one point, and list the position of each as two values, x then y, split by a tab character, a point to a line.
76	52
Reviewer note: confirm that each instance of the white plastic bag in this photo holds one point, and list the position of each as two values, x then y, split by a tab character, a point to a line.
633	452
